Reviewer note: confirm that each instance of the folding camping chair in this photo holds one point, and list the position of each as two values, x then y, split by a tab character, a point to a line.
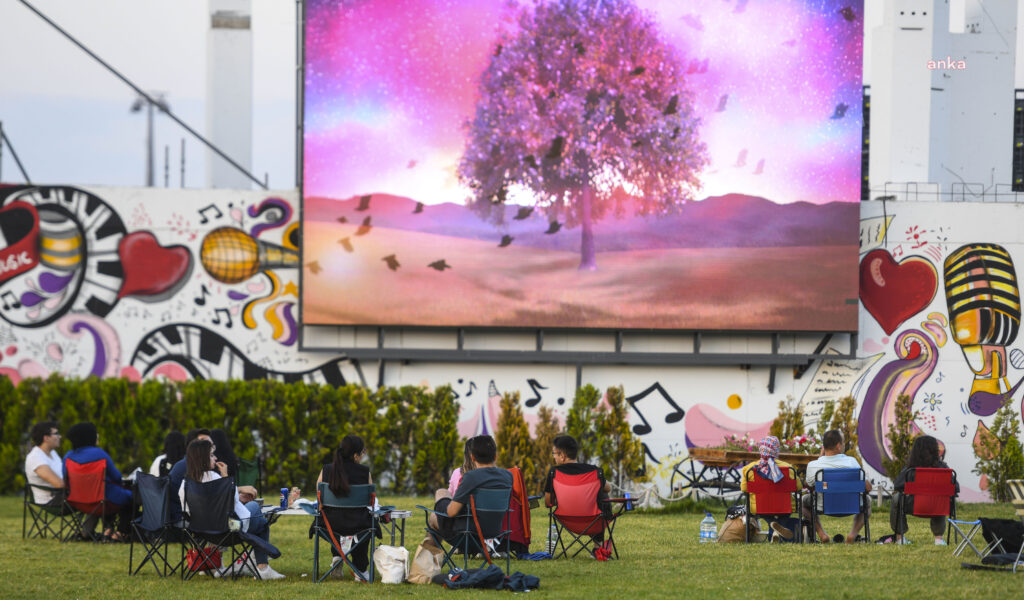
250	472
486	517
578	514
843	493
932	493
360	500
210	506
1017	498
47	520
771	499
86	487
998	531
154	530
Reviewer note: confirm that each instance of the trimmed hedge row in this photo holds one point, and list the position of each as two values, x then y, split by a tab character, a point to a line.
410	432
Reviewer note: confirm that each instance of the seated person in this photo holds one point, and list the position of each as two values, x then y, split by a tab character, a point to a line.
344	472
767	468
43	466
924	453
177	472
832	457
485	474
84	450
564	449
200	463
174	450
467	465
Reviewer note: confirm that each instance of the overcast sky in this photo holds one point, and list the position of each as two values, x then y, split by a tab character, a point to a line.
70	120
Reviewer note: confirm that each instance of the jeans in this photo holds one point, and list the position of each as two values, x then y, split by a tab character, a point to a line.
258	526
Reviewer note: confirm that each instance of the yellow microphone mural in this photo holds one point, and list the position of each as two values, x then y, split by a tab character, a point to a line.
984	316
231	255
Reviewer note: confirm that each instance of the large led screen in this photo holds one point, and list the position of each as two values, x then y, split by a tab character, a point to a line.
634	164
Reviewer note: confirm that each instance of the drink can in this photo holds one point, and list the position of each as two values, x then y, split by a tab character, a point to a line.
284	497
629	504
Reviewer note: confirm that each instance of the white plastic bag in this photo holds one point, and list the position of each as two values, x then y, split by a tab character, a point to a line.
392	563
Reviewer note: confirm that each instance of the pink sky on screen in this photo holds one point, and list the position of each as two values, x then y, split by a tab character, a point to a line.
390	83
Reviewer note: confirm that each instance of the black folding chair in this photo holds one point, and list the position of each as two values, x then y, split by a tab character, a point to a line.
209	507
154	530
486	517
360	502
47	520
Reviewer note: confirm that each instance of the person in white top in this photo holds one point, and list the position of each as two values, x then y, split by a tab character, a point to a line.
202	465
832	457
43	466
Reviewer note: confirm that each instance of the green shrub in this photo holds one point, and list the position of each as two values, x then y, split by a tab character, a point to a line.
901	436
410	432
999	455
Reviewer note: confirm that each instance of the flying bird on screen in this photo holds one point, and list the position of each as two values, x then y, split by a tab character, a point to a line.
741	160
343	219
840	111
557	145
314	267
848	14
694	21
760	167
637	71
346	243
440	265
722	102
505	241
418	209
524	211
365	227
553	227
364	202
392	261
673	105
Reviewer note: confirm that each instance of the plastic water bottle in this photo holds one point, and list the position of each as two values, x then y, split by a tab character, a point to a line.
708	529
284	497
552	539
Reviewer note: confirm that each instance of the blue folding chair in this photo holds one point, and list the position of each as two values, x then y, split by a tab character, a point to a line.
843	493
360	500
487	516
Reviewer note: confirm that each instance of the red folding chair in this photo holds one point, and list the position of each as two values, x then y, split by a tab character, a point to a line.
771	499
931	492
86	487
578	514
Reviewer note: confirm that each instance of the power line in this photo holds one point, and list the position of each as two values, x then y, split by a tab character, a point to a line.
143	94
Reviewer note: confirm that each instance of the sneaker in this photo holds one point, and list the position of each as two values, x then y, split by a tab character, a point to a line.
787	534
940	542
267	573
361	575
340	571
237	568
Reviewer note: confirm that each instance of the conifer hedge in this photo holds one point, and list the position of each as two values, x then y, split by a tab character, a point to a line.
410	432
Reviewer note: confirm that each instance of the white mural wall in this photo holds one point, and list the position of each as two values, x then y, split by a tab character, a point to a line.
204	284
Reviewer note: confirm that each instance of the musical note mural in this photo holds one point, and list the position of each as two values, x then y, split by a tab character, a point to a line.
114	282
83	294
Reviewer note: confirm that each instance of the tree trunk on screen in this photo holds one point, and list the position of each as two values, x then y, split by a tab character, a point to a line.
588	260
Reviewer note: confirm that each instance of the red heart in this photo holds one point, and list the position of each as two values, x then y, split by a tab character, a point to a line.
151	269
893	292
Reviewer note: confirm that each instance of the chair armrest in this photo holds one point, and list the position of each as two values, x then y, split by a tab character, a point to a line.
430	510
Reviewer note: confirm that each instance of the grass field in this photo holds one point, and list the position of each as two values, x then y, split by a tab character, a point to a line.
661	558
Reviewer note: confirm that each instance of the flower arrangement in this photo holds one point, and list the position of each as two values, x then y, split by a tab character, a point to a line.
800	444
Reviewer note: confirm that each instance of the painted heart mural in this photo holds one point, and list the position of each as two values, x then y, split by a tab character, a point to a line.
891	291
19	239
152	272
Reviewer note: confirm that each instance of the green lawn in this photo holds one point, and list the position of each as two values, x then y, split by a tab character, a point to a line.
661	557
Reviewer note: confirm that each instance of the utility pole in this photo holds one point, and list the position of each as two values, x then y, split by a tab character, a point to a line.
158	99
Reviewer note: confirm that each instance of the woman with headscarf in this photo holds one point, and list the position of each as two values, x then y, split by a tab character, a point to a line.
770	468
341	474
84	437
174	450
925	453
